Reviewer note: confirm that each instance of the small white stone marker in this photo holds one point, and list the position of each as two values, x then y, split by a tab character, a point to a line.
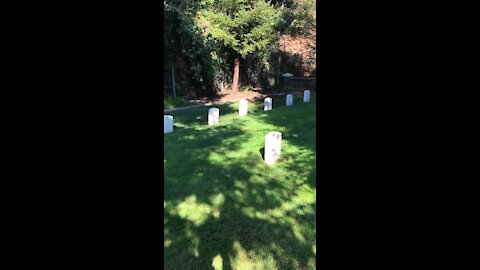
167	124
306	96
289	100
213	116
243	108
267	104
273	147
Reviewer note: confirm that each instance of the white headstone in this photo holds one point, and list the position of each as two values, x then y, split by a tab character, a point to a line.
213	116
167	124
289	100
267	104
243	108
306	96
273	147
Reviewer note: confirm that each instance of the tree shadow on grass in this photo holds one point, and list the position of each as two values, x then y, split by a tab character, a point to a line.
199	116
242	226
262	153
279	101
236	209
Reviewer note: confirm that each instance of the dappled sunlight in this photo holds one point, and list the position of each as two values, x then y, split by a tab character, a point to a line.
215	158
249	211
217	200
195	212
217	262
193	249
297	231
224	207
252	260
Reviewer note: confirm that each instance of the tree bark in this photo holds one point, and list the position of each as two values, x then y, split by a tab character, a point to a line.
236	73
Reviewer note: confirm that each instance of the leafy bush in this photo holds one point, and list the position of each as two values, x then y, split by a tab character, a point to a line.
212	34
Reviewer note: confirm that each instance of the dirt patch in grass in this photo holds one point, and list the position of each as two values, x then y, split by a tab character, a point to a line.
228	97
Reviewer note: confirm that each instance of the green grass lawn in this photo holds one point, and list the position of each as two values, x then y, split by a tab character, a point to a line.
174	102
224	208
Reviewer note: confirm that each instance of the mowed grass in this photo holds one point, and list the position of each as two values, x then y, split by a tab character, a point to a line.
174	102
224	208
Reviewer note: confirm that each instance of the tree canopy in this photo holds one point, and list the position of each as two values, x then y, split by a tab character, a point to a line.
215	32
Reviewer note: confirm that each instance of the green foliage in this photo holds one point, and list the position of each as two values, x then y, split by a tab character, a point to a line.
249	27
214	32
300	16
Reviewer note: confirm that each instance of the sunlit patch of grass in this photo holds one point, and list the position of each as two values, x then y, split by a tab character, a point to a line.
193	211
252	260
217	200
217	262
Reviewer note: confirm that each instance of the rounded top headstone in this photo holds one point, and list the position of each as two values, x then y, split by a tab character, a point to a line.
274	134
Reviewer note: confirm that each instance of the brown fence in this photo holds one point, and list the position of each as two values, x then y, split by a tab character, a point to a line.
300	82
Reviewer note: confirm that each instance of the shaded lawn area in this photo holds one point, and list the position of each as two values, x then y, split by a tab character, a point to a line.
224	208
174	102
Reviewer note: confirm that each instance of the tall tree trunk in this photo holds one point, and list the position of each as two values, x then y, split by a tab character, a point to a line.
236	73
